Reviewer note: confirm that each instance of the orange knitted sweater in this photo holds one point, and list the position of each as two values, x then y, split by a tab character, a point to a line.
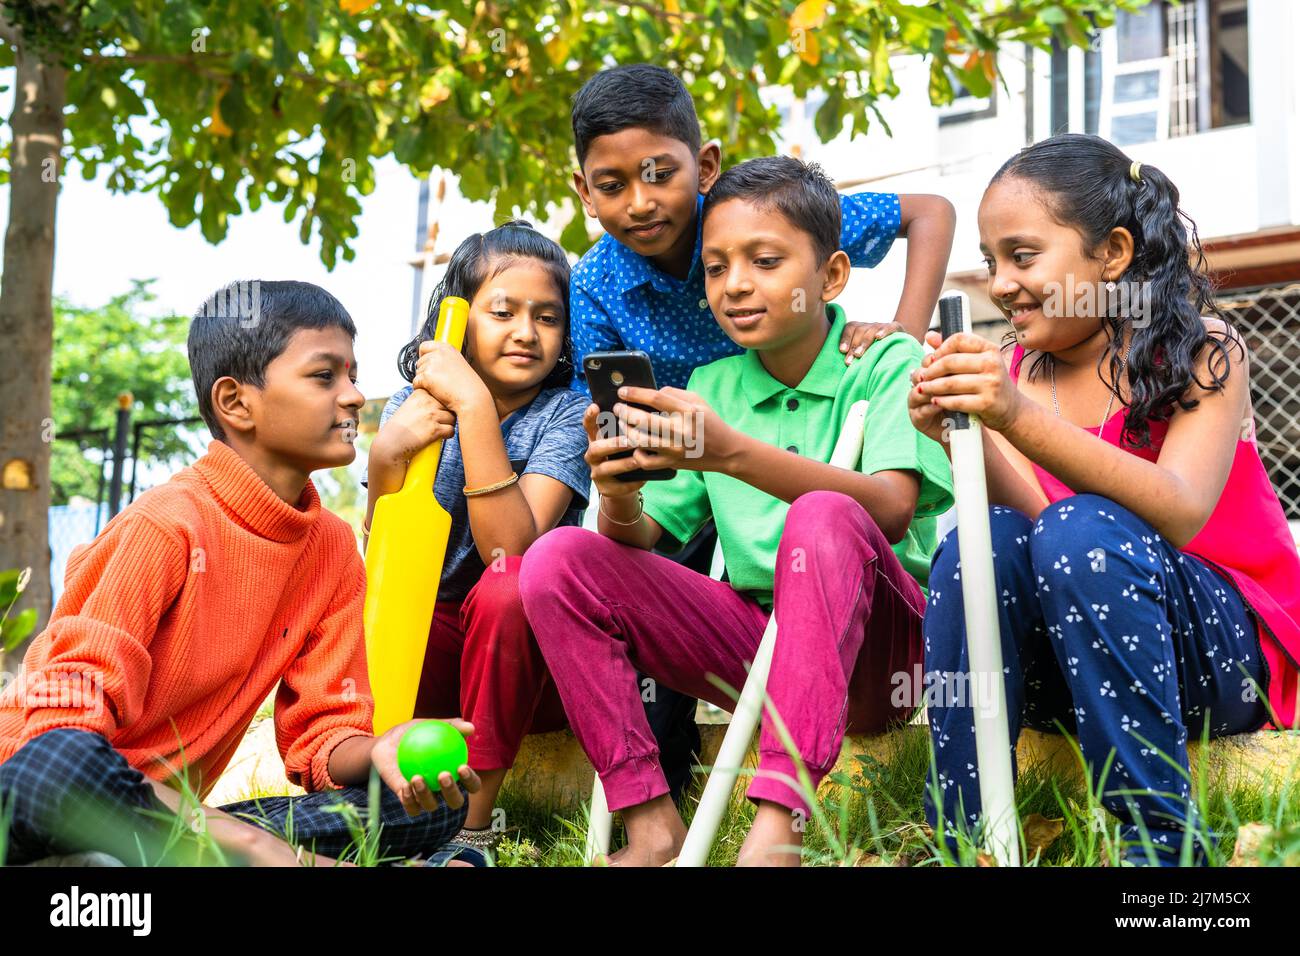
180	618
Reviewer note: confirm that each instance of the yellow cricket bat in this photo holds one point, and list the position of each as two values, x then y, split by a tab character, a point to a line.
408	542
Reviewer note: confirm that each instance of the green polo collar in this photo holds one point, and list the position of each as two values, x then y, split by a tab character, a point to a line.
823	378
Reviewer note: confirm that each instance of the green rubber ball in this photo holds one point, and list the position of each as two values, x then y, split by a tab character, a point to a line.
429	748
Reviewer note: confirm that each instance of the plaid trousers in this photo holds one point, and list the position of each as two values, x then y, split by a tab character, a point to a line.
68	791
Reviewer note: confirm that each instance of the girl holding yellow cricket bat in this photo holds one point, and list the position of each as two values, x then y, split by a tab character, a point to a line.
512	468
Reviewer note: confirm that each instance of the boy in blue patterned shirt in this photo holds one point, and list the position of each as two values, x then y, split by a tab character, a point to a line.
644	173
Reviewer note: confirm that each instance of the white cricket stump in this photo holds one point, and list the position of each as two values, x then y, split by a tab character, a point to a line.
979	603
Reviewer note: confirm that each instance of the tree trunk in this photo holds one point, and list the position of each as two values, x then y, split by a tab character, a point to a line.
27	319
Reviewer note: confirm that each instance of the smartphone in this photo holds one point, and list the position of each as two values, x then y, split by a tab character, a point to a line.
607	372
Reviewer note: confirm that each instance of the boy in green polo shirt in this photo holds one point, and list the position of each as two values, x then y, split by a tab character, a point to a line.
840	556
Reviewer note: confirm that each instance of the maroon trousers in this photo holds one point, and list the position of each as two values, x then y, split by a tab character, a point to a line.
483	665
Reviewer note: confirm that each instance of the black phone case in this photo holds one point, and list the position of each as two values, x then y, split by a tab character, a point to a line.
634	368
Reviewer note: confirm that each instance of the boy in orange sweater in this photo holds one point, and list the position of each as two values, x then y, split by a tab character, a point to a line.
196	601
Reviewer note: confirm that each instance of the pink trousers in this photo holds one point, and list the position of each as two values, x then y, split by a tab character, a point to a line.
848	618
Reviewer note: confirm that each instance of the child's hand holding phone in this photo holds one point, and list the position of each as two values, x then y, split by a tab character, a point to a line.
688	434
604	468
606	373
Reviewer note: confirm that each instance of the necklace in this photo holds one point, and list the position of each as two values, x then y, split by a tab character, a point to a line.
1109	405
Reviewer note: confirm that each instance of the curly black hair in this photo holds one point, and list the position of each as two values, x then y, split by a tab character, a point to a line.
1087	185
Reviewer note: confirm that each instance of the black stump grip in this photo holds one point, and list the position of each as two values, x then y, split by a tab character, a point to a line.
951	321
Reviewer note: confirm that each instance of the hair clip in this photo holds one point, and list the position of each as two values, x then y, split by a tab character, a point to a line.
1135	172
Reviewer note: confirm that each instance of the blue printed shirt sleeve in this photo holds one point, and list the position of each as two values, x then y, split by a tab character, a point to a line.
869	223
591	330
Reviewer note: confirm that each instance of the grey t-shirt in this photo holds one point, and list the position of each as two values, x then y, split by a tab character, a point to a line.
545	437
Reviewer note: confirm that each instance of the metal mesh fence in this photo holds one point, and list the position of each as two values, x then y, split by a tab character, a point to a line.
1269	320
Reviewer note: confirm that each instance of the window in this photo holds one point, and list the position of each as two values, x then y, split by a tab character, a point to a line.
1229	65
1141	35
1164	70
1060	88
1135	94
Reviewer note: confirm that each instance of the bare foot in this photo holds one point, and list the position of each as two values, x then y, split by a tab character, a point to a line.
773	840
655	834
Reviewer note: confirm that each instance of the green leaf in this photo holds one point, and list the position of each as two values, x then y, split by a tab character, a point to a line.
789	67
1053	16
940	85
1076	30
9	587
16	629
830	117
928	17
880	67
100	15
975	81
328	46
234	108
281	55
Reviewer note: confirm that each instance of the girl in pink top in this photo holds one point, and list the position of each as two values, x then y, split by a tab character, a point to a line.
1148	583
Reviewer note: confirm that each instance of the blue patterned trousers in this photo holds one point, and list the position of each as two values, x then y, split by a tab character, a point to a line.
1110	630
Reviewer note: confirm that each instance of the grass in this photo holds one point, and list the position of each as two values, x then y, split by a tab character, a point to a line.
363	825
871	817
875	816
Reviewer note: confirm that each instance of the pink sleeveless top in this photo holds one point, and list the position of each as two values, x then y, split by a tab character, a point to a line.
1246	539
